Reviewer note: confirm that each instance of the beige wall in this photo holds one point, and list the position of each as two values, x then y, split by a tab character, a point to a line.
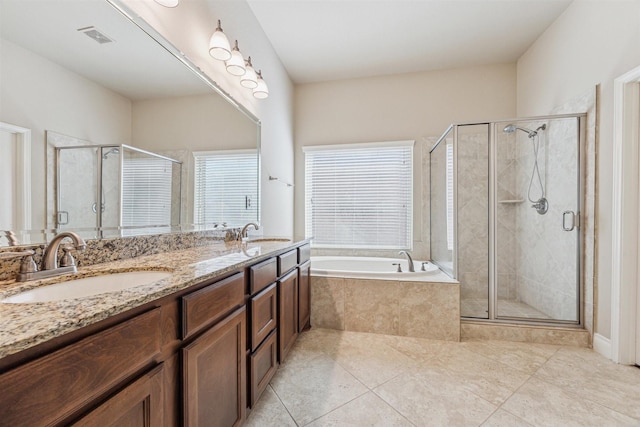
40	95
189	27
592	42
400	107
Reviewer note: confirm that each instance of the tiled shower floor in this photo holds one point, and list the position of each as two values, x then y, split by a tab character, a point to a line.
338	378
477	307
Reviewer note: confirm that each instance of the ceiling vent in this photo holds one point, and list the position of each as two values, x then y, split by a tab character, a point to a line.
96	35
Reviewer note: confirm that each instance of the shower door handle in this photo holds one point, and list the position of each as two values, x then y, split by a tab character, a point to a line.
572	220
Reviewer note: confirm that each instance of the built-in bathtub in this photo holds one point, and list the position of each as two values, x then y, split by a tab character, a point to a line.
367	294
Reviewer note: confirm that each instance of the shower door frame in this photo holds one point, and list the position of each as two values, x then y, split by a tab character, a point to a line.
492	216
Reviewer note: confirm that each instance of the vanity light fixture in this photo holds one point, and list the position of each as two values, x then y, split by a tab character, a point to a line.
235	65
168	3
219	47
250	78
261	91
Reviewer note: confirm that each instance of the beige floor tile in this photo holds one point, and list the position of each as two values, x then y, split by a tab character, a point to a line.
312	387
435	399
373	365
525	357
543	404
592	377
502	418
422	350
269	412
487	378
366	410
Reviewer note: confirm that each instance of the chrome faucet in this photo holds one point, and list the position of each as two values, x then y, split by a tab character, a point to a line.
409	260
245	229
50	256
50	267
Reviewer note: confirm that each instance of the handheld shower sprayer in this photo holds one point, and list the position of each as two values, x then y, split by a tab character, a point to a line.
511	128
541	205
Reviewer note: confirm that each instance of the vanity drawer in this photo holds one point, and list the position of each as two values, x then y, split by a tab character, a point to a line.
204	307
48	390
287	261
304	253
262	275
263	366
264	318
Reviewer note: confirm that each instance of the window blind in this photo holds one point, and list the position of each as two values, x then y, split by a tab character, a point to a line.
226	187
360	196
146	191
449	155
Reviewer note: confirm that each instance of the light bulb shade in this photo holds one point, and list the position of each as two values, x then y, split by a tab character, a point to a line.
168	3
261	91
250	78
235	65
219	47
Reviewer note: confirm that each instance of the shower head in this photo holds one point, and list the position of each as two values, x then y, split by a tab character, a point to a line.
511	128
112	151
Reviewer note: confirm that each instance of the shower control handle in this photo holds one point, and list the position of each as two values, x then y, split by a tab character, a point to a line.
572	220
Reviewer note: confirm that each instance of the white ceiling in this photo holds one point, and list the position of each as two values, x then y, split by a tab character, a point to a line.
322	40
134	65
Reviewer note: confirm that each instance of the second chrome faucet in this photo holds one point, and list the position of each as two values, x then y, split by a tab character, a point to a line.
409	260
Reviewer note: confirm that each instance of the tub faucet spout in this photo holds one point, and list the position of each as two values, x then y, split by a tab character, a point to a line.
409	260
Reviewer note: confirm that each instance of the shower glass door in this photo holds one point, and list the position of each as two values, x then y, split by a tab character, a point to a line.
76	186
536	204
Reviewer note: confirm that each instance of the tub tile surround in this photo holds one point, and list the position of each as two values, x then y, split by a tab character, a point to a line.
416	308
431	382
26	325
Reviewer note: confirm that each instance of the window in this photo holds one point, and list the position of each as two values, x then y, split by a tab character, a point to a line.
449	195
360	195
226	187
146	191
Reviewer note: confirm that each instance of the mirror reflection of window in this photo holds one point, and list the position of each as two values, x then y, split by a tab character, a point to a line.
226	187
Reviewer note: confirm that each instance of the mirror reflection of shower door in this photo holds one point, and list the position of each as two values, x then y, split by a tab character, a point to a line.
76	188
537	260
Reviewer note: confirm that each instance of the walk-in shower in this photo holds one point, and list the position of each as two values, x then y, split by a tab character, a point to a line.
115	187
506	198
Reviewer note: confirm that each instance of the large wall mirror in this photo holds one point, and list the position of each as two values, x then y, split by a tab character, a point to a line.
89	104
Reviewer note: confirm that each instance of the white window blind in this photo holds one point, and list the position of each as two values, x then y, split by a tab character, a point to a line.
226	187
449	154
360	195
146	191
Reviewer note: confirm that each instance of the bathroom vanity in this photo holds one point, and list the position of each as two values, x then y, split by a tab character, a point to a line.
196	349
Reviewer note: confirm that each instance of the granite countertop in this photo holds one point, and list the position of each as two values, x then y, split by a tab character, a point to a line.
26	325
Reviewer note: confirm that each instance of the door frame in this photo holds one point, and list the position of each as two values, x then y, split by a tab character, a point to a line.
23	172
625	220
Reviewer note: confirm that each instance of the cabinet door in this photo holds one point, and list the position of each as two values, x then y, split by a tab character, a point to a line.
264	308
287	313
263	366
215	375
139	404
304	296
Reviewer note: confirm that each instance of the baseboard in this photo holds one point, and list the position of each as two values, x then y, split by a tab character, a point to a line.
602	345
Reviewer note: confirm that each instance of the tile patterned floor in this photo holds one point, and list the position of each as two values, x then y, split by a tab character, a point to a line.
335	378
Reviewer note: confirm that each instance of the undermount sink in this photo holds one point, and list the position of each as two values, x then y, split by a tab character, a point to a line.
87	286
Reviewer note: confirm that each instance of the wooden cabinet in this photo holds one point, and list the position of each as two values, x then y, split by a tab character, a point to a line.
53	388
304	296
287	313
264	315
263	364
139	404
196	357
214	375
